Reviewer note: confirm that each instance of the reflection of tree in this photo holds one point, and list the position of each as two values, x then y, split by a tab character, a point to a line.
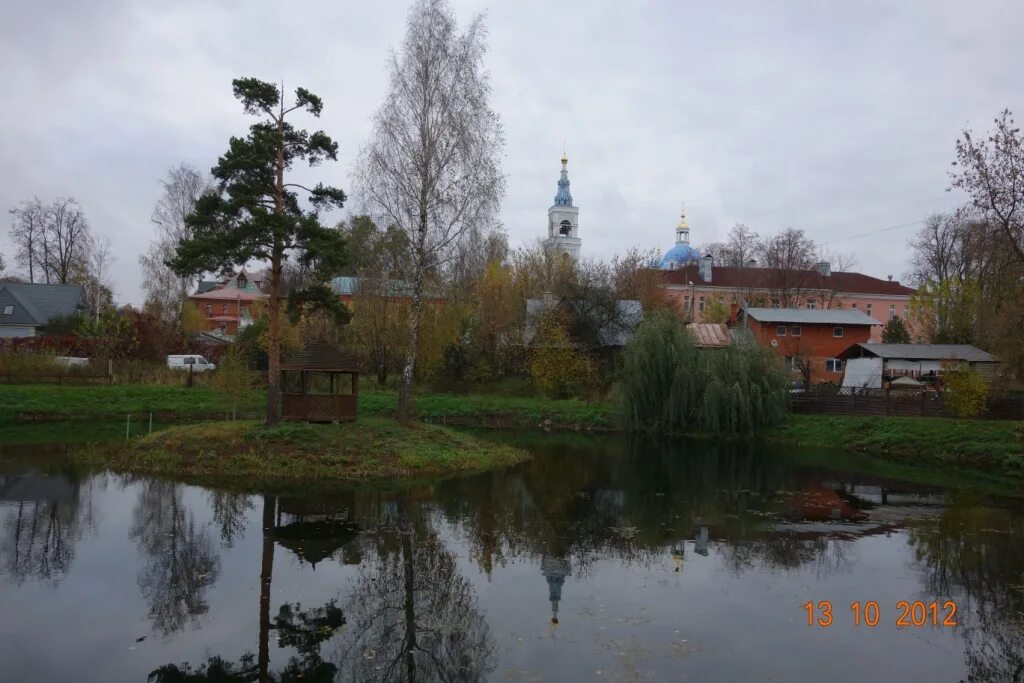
591	501
413	617
978	552
43	518
229	513
180	562
303	630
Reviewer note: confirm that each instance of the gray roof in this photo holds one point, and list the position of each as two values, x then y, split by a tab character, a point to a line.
804	316
206	286
964	352
36	304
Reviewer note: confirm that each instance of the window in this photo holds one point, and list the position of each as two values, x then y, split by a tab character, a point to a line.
780	331
209	309
853	305
811	304
700	305
833	365
795	330
225	308
793	363
686	303
867	308
8	310
837	332
565	228
892	311
906	312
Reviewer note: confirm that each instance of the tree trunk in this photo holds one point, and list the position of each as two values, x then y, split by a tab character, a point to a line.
406	403
409	606
277	256
266	575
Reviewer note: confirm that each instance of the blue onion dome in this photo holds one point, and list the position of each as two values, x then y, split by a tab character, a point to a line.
680	255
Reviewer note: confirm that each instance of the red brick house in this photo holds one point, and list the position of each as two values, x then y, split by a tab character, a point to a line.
813	337
227	303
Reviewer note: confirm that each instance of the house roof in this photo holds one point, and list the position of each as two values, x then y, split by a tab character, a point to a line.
36	304
229	294
347	285
964	352
770	278
804	316
709	335
206	286
322	356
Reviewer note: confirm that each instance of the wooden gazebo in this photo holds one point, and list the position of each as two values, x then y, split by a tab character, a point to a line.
320	383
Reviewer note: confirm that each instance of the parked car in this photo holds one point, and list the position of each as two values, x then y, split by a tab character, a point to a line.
71	361
197	363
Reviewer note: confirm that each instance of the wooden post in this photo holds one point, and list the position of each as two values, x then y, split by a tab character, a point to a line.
888	401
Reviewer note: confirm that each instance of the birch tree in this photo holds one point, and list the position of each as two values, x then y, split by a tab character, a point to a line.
166	291
432	166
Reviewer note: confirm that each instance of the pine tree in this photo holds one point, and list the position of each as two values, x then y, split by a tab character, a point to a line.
895	332
255	215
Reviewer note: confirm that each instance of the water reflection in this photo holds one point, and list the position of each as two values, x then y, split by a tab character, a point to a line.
479	578
42	516
180	563
412	616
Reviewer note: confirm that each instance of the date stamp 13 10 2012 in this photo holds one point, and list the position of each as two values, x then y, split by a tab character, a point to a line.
911	614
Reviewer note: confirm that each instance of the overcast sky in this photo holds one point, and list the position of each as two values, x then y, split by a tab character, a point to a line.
835	117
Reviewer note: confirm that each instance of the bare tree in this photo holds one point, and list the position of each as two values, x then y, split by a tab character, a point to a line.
165	290
66	239
98	290
991	171
28	227
789	258
432	166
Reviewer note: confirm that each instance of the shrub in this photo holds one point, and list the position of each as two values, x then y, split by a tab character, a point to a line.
966	392
233	381
557	368
668	385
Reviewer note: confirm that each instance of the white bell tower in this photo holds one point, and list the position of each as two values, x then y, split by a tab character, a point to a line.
563	219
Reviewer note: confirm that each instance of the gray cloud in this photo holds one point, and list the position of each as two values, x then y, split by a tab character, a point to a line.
838	118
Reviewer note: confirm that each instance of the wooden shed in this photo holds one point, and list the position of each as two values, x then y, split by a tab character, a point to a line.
320	383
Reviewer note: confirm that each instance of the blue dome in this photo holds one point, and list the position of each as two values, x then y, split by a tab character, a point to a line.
680	255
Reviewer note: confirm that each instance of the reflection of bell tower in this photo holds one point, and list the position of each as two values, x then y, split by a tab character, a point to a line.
700	541
555	569
563	219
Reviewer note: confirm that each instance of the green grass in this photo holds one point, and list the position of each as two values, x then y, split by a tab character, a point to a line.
29	403
994	446
372	448
48	402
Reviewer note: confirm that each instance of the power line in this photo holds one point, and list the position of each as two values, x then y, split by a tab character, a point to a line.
867	235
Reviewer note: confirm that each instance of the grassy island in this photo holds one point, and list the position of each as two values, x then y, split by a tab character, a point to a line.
372	448
995	447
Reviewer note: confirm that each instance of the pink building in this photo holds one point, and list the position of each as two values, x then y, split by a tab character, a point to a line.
696	287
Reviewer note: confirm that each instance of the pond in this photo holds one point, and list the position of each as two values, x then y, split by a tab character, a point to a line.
604	559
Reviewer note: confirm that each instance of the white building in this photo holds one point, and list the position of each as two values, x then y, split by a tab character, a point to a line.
564	219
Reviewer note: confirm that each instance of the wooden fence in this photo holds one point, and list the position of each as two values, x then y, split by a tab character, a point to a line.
899	402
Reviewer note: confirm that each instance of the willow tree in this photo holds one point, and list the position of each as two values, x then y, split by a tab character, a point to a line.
253	214
432	168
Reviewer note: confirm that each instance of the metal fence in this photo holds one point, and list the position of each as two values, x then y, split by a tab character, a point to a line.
900	402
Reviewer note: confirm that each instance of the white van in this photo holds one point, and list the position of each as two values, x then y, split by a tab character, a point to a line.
197	363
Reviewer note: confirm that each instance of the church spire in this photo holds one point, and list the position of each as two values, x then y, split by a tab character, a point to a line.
563	197
682	230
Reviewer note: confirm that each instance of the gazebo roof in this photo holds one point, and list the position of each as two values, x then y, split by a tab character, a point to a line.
322	356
